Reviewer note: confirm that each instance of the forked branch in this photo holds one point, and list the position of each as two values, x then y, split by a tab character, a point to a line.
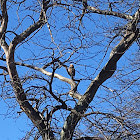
73	85
108	70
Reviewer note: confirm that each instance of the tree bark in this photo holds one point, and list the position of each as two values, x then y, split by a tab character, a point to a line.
131	35
34	115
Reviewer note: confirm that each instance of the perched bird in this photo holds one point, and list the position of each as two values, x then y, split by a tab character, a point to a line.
71	71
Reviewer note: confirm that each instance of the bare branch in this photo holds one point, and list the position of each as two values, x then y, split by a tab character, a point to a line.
4	68
72	92
3	27
106	12
103	12
131	35
61	42
4	18
16	84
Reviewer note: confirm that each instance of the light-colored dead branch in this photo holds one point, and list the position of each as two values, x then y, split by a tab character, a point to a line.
106	12
73	85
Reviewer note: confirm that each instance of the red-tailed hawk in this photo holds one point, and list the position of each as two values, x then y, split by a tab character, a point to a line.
71	71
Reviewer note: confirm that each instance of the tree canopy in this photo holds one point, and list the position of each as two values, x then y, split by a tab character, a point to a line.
40	39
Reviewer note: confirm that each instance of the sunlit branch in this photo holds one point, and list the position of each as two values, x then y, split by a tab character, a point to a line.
4	18
106	12
4	23
103	12
60	77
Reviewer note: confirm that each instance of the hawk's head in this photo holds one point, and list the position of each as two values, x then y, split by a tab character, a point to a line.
71	66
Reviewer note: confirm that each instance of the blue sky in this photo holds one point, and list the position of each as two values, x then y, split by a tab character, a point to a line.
11	128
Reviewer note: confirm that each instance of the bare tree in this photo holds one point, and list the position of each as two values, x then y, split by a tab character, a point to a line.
39	40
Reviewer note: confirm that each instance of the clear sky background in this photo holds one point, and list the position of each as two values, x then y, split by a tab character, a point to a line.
11	128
